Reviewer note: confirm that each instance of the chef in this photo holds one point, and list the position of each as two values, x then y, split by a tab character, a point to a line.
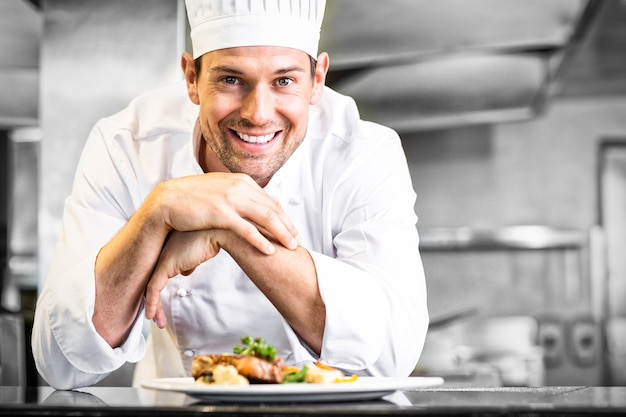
250	200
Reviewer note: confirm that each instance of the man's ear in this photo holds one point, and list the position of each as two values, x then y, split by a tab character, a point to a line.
189	70
319	78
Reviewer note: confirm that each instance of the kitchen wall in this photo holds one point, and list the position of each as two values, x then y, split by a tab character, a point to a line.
540	172
4	215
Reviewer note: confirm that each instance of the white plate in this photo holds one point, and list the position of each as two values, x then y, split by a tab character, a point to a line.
364	388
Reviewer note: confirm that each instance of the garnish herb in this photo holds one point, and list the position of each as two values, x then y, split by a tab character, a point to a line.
295	377
255	347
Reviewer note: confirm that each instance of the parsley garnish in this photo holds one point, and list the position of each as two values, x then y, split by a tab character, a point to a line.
255	347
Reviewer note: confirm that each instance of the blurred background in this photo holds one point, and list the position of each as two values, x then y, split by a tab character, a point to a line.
512	116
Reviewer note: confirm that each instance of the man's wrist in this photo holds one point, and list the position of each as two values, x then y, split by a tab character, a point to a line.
155	213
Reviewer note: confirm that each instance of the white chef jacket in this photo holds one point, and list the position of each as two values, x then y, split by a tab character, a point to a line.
347	189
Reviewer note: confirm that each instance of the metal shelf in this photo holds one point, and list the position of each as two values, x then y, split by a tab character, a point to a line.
531	237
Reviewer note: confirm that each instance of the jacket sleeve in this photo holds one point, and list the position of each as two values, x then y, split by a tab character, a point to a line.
67	350
373	282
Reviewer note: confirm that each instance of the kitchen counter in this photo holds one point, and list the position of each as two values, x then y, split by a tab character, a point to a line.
123	401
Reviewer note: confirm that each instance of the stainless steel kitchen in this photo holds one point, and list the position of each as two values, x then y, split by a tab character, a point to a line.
512	118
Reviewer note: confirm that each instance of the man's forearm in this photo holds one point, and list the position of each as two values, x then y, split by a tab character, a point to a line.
122	270
289	280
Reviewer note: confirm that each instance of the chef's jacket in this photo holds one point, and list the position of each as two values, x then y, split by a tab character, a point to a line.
348	191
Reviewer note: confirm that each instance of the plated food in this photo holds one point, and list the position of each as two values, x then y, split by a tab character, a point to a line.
256	363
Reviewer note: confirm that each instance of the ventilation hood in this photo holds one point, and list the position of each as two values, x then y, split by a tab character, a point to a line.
421	64
410	64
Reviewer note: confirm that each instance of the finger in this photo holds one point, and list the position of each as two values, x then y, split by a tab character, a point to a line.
277	222
266	213
153	291
181	254
251	234
269	218
165	269
159	318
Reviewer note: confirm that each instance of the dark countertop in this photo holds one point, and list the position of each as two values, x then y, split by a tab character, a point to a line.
122	401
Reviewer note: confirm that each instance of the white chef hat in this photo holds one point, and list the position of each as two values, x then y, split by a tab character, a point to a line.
219	24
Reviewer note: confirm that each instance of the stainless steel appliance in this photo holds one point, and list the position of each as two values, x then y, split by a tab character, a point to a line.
529	280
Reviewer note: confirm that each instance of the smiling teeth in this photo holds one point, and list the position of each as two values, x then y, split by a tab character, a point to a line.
255	139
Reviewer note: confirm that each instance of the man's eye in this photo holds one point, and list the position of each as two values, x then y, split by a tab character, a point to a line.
230	80
284	82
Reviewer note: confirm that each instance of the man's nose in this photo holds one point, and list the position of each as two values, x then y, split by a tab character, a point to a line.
257	105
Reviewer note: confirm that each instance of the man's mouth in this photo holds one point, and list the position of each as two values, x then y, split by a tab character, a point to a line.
256	139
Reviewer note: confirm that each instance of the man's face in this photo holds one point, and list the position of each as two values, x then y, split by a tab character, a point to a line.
254	104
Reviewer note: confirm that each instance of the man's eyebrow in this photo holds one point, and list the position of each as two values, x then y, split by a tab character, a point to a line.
224	68
230	70
289	69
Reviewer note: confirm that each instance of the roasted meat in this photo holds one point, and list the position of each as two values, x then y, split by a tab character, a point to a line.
256	370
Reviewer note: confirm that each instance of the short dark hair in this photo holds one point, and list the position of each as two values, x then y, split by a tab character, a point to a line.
198	65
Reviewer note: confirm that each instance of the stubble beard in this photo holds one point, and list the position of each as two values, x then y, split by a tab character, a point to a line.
260	168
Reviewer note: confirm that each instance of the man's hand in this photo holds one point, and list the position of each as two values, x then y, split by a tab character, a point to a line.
287	278
181	254
226	201
139	259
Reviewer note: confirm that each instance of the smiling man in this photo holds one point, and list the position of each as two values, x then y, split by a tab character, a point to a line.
254	104
248	200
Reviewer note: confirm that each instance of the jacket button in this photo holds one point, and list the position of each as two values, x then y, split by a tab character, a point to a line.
182	292
188	353
295	200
